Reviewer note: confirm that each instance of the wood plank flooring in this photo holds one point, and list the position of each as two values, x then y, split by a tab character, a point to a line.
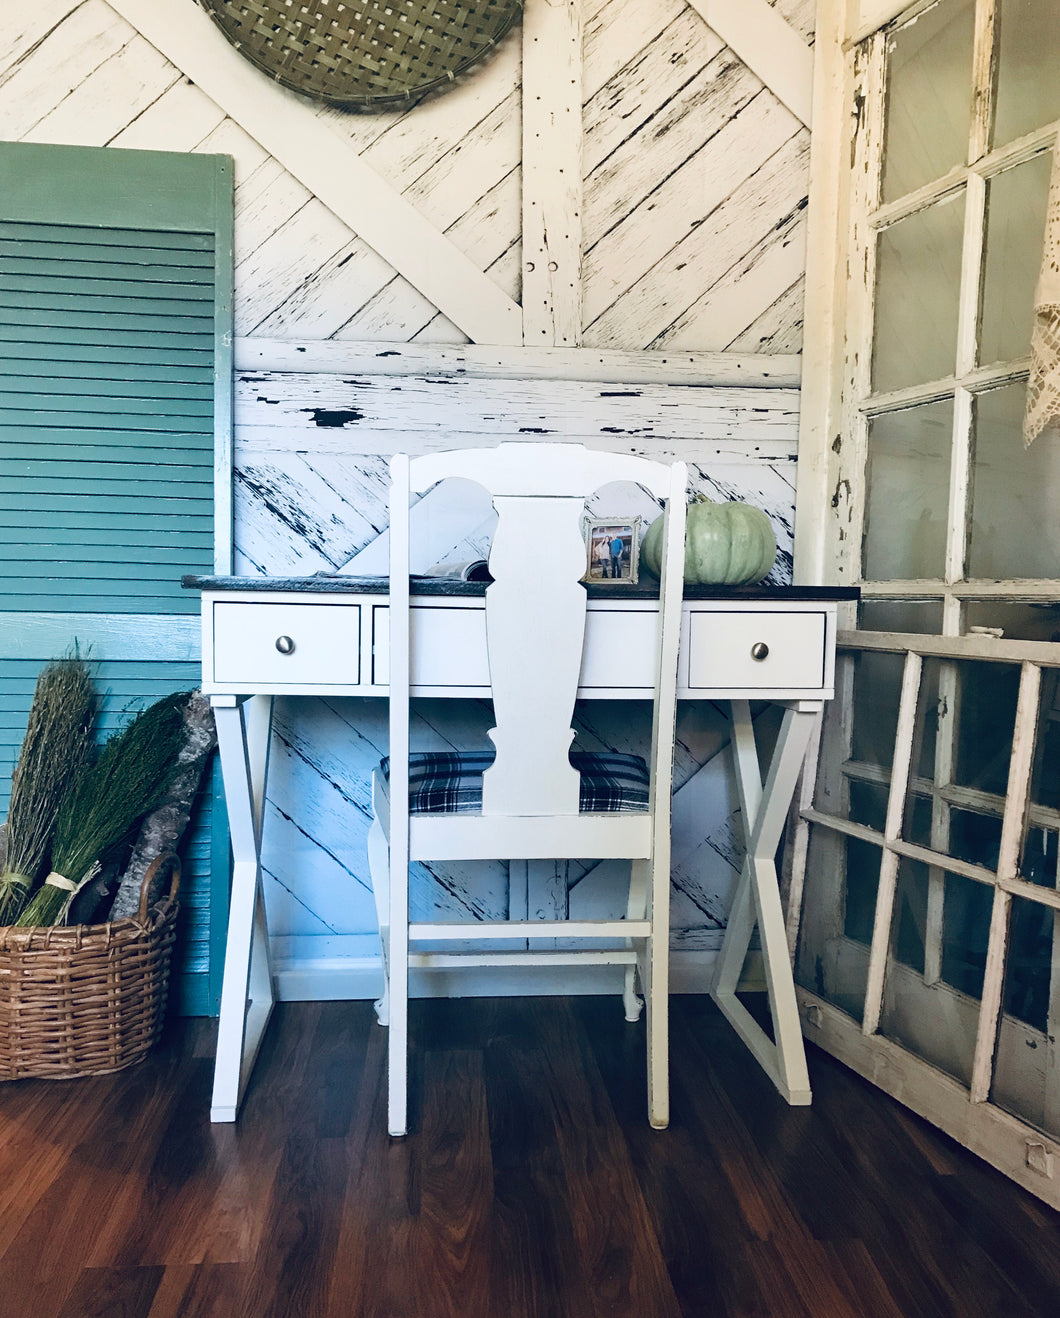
531	1186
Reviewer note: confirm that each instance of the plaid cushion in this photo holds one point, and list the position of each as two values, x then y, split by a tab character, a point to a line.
450	782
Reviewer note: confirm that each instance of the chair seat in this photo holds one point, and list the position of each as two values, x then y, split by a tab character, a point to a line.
450	782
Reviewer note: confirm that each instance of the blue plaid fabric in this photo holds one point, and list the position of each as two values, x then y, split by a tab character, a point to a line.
450	782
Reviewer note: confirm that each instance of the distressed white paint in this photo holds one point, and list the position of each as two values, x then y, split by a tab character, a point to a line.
658	90
660	94
751	370
552	173
767	43
320	158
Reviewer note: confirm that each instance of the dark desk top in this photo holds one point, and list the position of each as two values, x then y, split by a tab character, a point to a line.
336	584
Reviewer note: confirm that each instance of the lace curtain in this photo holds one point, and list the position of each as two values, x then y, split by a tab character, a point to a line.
1043	387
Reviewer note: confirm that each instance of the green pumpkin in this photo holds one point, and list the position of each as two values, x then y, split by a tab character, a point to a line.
726	544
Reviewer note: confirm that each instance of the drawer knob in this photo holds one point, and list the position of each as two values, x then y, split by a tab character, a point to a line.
759	651
285	645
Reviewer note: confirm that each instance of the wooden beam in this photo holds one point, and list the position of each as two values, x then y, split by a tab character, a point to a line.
552	173
767	43
749	370
824	307
322	160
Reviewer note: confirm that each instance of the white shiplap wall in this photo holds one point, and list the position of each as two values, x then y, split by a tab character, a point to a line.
408	229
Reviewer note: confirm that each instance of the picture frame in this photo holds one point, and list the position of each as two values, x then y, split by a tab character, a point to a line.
601	562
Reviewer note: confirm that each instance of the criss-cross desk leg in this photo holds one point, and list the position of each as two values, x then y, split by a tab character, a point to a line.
244	727
757	898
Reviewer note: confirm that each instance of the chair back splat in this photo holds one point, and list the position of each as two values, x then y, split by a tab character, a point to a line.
536	800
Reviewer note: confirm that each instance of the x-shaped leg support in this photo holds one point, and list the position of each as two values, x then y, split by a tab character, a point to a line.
243	734
757	898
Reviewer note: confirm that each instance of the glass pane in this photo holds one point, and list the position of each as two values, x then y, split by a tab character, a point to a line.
916	821
920	794
1045	778
1026	1077
1028	90
929	96
1015	211
909	931
983	697
868	804
918	278
965	931
842	876
908	476
986	707
975	836
1018	622
877	688
937	1021
1038	861
924	616
929	708
1027	965
1015	529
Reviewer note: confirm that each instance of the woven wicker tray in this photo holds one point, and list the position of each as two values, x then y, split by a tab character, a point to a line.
364	54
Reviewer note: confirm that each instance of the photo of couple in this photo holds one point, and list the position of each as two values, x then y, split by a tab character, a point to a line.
612	551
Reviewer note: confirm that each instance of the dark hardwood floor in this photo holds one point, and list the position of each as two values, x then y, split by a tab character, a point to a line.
532	1184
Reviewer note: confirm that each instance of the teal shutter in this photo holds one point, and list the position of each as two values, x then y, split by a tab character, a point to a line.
115	406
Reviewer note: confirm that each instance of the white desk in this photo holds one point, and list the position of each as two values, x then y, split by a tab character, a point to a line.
327	636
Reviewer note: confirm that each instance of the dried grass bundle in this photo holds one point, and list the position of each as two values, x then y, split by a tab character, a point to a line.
52	756
131	773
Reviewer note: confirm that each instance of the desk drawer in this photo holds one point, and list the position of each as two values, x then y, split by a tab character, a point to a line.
322	644
722	650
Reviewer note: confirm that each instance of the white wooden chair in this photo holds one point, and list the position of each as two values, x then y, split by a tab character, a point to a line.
531	802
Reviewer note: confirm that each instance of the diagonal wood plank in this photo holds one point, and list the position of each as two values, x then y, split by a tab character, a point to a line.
321	159
767	44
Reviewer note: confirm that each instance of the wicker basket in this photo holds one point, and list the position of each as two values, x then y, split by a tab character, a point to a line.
372	54
86	999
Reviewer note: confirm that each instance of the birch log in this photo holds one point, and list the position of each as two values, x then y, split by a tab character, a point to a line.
164	826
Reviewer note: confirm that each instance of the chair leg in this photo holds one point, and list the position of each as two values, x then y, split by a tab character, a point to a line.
379	869
636	908
398	1041
397	944
656	992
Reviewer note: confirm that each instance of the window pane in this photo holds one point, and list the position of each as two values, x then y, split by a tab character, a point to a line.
937	1022
1015	529
901	616
1028	92
982	699
1038	860
918	276
868	804
1024	1074
908	493
1018	622
877	688
929	76
986	709
975	836
908	933
842	876
1014	228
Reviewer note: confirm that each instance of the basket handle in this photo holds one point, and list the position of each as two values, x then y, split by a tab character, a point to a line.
169	858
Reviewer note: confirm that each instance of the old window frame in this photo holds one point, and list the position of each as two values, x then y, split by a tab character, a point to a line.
837	407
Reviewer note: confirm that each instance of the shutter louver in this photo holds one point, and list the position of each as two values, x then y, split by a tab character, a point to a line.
106	466
115	411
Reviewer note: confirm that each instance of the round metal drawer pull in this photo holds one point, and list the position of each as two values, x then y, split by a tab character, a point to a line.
285	645
759	651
